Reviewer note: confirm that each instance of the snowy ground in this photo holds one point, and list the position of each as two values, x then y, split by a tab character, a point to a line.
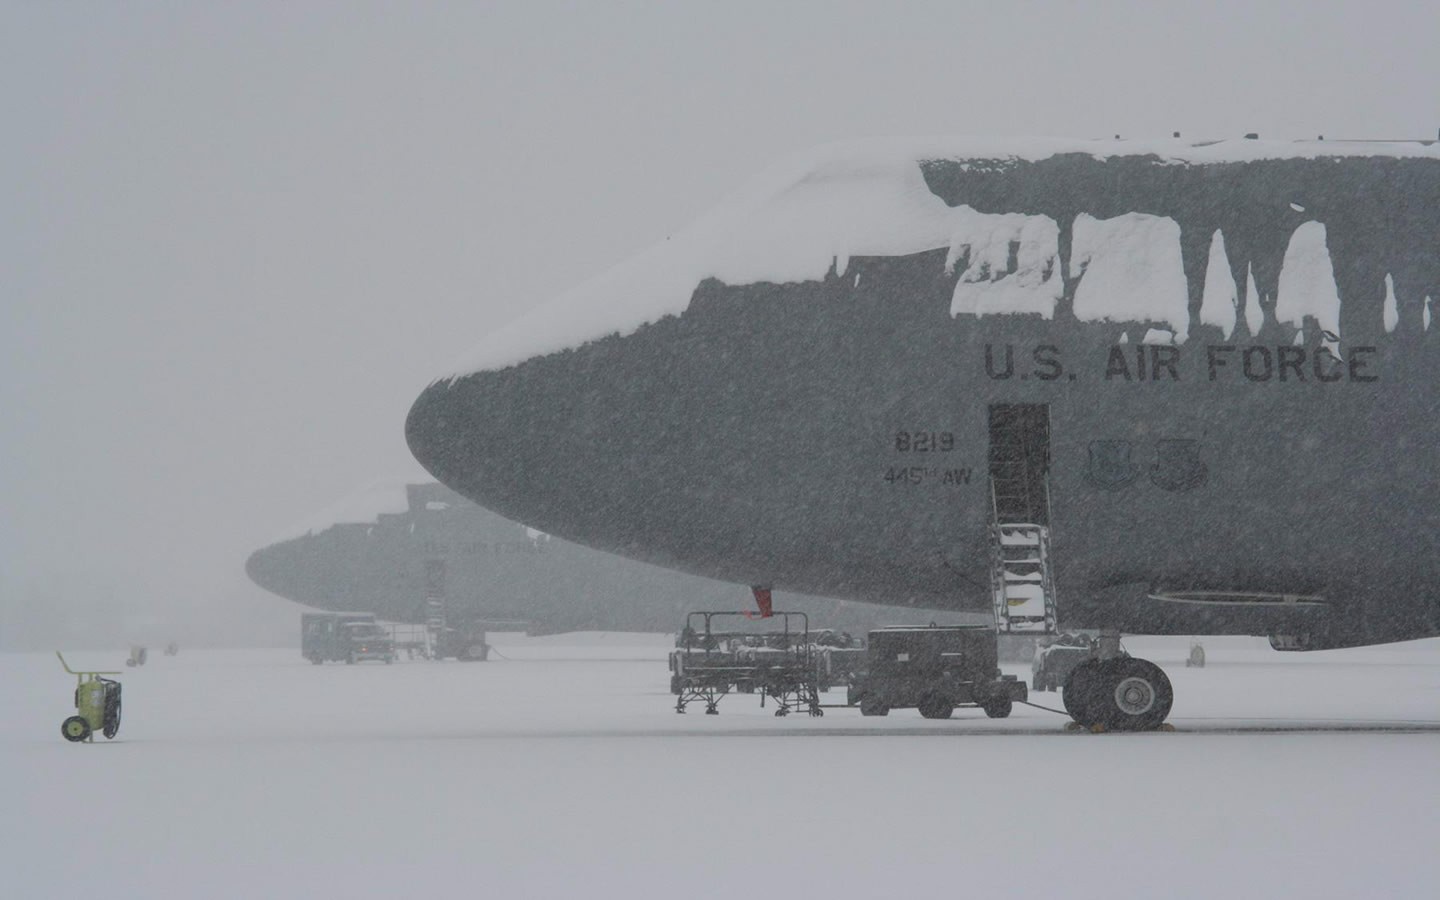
563	771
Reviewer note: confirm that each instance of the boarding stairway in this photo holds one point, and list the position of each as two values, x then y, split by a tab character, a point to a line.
1021	577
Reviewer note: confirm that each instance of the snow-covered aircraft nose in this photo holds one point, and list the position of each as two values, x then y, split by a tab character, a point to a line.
727	400
659	445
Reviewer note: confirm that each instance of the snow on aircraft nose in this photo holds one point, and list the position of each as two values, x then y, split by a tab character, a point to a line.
614	417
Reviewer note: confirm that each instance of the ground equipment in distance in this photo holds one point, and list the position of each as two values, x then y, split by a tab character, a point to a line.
344	637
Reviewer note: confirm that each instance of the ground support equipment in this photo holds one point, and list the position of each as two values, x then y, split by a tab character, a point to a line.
709	686
97	702
935	669
788	678
709	663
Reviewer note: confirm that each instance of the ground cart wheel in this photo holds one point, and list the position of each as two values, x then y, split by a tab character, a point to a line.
75	729
997	709
933	707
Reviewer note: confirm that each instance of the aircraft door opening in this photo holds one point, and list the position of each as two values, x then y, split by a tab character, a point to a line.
1021	579
1020	462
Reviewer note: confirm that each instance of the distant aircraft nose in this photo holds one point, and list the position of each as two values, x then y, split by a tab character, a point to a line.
266	567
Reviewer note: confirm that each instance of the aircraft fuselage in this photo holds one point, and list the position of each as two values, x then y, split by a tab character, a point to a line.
1266	470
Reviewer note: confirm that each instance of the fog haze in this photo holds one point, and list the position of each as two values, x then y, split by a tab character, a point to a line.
237	240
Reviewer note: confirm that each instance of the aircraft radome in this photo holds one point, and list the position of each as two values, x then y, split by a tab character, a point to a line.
1208	372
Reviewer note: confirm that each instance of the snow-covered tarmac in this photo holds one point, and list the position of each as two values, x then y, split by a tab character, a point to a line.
563	771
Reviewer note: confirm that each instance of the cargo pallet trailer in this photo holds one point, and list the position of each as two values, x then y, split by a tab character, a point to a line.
708	664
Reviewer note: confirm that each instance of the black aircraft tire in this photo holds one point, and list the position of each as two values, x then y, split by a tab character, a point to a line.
871	707
1076	689
1130	695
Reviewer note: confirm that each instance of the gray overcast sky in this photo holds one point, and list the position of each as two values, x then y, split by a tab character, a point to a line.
236	240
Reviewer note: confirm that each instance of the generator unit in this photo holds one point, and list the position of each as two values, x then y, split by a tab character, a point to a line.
934	669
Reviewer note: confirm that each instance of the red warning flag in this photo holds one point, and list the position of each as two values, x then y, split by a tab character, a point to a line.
762	600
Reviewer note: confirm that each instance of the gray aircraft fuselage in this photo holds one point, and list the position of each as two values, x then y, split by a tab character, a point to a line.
831	436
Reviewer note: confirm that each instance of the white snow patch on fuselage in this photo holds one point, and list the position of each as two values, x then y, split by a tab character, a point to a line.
1307	281
988	285
1391	311
1221	299
815	211
1132	271
1254	313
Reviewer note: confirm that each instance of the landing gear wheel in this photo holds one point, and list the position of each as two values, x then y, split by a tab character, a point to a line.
1075	693
75	729
1133	695
997	709
933	707
874	707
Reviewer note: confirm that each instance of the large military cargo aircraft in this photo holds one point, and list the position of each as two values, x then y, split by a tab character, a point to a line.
1201	380
411	551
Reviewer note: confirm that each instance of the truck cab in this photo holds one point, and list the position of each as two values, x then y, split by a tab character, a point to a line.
344	637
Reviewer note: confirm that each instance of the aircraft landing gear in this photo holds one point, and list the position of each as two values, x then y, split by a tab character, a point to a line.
1118	694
